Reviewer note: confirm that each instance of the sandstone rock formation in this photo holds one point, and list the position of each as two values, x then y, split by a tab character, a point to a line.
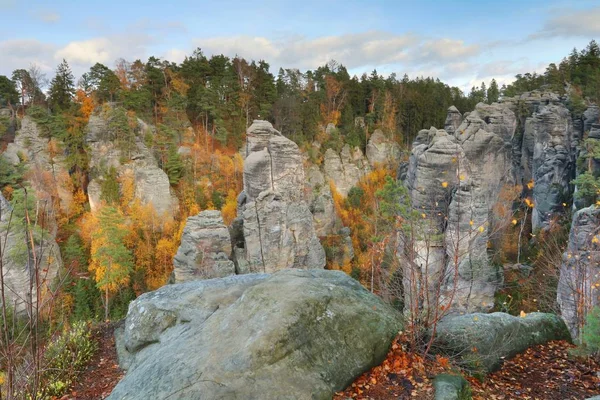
454	181
483	341
205	249
345	169
151	184
47	170
580	269
17	260
381	150
295	334
277	224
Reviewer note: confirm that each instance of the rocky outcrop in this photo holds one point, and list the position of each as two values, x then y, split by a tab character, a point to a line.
138	164
205	249
453	182
276	221
345	169
548	160
294	334
18	264
48	171
325	219
381	150
453	120
483	341
580	269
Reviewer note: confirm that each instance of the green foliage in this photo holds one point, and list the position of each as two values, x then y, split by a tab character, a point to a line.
588	188
109	187
74	254
102	81
66	357
62	88
591	331
10	174
174	167
50	125
355	197
8	91
86	299
120	129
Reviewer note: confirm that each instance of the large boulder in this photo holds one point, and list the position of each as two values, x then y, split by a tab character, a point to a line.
453	120
483	341
580	270
205	249
292	335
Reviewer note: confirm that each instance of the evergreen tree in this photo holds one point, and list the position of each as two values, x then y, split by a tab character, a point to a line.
493	94
62	88
8	92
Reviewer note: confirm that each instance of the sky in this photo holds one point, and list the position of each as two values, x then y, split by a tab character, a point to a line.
463	43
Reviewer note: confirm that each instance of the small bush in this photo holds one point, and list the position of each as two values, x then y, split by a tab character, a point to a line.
65	357
591	331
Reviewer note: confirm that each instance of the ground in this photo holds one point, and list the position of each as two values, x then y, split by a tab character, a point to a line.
103	372
544	372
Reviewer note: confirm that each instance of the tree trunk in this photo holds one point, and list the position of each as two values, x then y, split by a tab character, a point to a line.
106	303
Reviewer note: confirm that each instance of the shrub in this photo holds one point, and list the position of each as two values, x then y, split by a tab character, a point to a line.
591	331
65	357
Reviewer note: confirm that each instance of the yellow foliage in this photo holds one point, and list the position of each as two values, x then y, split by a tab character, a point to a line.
229	209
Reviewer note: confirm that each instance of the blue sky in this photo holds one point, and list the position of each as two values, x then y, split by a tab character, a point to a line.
461	42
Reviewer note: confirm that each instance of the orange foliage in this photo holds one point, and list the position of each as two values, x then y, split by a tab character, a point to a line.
86	103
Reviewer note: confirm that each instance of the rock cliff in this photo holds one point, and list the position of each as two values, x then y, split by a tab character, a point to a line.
453	182
580	269
276	222
151	184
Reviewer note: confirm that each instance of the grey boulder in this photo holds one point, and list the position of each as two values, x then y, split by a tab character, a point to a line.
483	341
296	334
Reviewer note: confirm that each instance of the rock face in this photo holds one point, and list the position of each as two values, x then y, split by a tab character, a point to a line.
325	219
295	334
32	149
277	224
453	120
381	150
205	249
454	181
451	387
151	184
482	341
18	266
580	269
344	169
548	159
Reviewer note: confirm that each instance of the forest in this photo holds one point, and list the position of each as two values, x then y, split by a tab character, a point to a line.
199	111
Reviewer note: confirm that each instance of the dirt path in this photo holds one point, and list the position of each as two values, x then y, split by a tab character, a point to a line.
103	373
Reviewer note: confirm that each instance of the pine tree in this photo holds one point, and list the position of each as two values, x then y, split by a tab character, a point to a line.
112	262
62	87
493	93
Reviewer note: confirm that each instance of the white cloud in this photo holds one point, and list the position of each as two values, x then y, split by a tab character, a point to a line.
568	23
21	53
83	54
372	48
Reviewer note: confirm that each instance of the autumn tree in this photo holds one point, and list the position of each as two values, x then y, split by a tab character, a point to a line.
111	261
